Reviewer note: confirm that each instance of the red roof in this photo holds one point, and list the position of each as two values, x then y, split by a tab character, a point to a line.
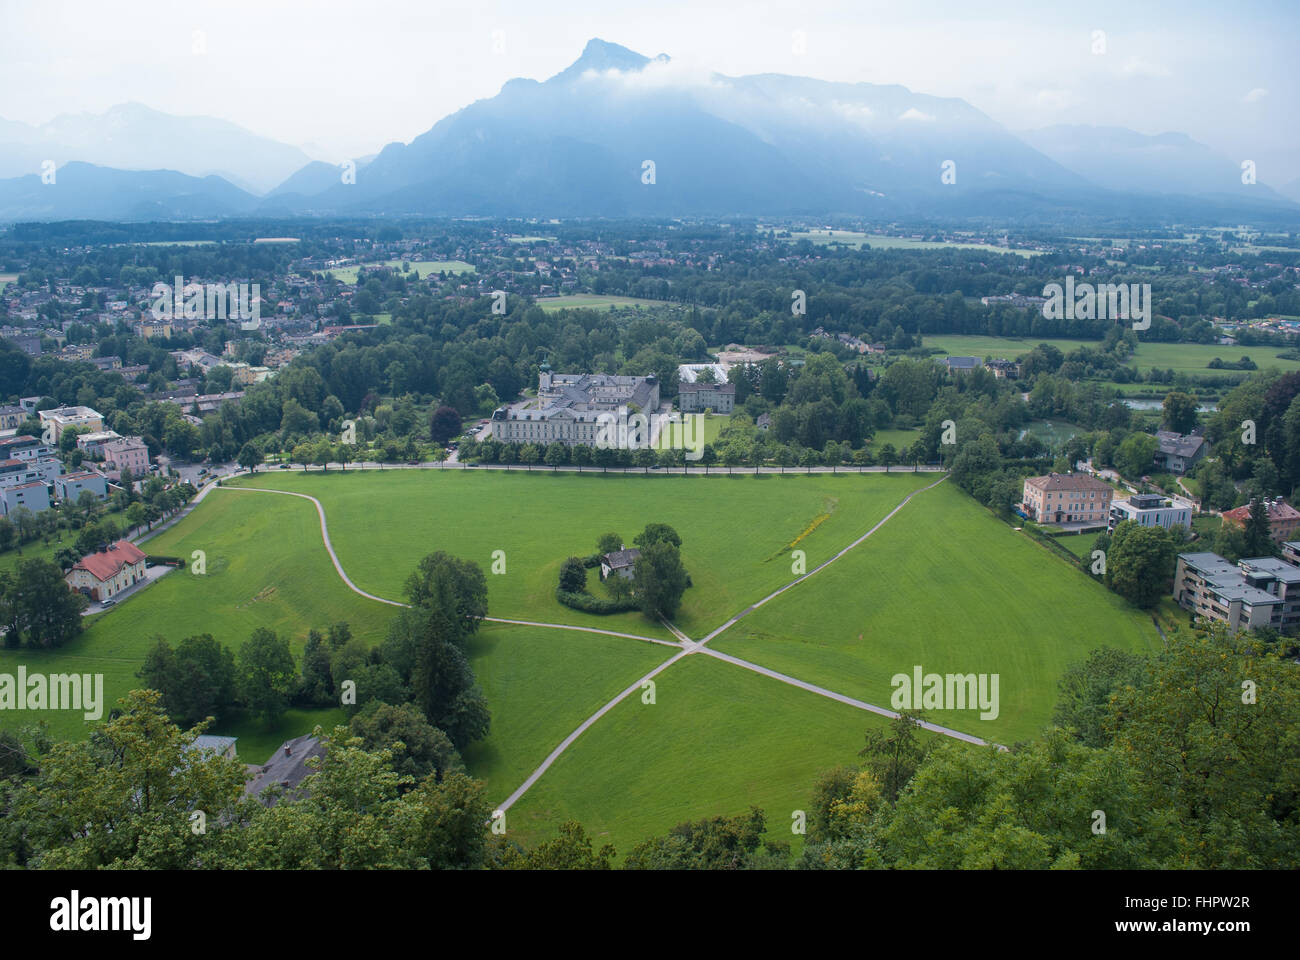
108	563
1278	510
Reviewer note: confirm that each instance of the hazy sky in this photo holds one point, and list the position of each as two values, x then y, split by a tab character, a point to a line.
342	78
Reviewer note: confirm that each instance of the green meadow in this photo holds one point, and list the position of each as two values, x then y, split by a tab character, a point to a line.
947	586
540	684
422	268
717	740
593	301
734	529
265	567
1179	357
853	238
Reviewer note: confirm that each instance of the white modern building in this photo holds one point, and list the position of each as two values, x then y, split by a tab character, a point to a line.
1150	510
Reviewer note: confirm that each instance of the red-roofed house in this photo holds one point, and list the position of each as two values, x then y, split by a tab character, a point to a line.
103	574
1283	519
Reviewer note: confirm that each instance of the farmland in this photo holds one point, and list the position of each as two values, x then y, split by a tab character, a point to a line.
1179	357
855	239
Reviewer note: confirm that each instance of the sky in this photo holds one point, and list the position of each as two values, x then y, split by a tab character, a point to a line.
342	78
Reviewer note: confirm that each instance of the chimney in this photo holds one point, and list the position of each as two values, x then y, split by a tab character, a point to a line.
286	750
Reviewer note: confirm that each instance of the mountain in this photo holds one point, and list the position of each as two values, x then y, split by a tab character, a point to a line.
85	191
576	145
131	136
1120	159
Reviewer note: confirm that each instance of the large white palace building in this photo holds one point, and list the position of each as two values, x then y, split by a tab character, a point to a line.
568	408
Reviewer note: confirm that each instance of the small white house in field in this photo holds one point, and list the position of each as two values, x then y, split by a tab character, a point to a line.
619	562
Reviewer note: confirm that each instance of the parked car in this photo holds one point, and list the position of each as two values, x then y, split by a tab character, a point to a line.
108	603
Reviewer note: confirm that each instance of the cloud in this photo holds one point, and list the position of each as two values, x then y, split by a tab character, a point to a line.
911	113
1256	95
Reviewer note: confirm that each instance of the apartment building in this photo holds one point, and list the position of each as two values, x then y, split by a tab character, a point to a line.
1074	498
1255	592
60	418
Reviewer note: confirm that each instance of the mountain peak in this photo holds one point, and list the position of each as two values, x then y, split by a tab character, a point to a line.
601	55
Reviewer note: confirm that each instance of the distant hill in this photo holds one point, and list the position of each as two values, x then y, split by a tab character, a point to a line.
1116	158
85	191
131	136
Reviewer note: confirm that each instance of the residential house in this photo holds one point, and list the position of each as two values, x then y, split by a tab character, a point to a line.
126	453
961	364
1074	498
12	417
698	397
1283	519
71	485
1177	452
107	573
619	563
286	768
33	495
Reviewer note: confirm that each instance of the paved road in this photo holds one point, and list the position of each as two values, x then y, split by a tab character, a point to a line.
685	643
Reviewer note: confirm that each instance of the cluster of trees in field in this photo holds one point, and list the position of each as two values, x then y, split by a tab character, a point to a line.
36	607
422	661
658	577
1162	761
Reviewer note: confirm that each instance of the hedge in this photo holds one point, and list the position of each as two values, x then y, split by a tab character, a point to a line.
590	603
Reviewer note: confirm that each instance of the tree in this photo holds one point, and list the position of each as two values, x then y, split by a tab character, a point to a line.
454	591
48	612
266	675
1085	691
571	850
1180	413
1136	455
196	680
609	543
717	843
1258	541
656	533
660	579
249	457
573	576
893	757
418	749
1139	563
444	424
123	797
317	686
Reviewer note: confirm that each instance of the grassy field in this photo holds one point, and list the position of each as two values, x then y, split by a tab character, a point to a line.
1180	357
853	238
6	279
593	301
421	268
733	529
540	684
901	439
717	740
1054	432
947	586
266	567
712	426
